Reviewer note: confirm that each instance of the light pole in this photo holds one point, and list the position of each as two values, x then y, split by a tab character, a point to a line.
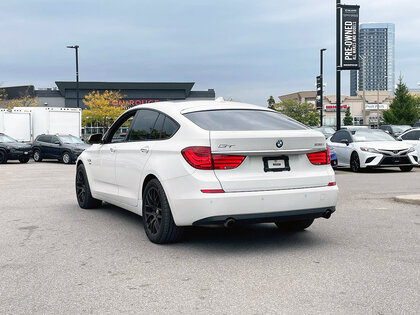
377	103
364	85
76	47
322	82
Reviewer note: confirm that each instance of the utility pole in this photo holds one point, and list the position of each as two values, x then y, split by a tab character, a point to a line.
364	85
76	47
338	64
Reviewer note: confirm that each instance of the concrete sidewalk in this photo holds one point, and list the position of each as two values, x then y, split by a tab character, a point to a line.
413	199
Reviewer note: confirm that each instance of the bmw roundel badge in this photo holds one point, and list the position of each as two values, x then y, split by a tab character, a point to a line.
279	143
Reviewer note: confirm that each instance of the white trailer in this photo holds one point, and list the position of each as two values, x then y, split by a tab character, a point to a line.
17	124
55	120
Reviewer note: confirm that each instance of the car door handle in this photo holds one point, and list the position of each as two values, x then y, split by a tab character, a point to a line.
144	149
112	150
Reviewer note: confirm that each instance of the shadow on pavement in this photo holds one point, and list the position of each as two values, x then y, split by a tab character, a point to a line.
238	239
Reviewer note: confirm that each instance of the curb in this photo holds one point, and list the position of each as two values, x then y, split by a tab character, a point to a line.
412	199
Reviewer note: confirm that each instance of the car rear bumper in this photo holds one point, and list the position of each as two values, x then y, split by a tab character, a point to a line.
293	215
192	207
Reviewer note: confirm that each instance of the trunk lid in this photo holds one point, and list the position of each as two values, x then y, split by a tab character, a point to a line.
275	159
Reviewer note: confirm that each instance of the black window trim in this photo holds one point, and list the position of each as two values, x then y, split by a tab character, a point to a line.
106	140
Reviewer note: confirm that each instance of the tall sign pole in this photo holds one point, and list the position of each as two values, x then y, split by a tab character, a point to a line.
338	65
321	96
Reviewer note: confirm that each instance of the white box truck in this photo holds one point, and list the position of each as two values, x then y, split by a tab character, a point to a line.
54	120
16	124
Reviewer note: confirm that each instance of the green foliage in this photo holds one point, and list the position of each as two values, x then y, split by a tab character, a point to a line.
271	102
304	112
403	109
348	120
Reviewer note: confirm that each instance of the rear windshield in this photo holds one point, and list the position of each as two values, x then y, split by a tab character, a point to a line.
243	119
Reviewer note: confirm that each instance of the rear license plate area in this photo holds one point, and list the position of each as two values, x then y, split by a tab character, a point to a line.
276	163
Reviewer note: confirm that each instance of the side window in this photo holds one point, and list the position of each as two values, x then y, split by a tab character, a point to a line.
157	129
143	125
410	136
336	136
417	135
169	128
116	133
46	139
347	136
54	139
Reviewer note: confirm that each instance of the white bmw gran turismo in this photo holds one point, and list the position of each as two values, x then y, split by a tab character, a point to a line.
369	148
208	162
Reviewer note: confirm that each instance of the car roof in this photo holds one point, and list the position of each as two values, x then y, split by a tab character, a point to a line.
182	107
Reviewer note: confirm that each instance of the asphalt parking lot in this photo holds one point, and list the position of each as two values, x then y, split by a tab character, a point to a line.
59	259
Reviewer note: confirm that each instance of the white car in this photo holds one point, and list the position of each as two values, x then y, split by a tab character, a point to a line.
368	148
208	162
412	137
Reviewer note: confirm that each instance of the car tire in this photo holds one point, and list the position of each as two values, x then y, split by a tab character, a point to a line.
37	156
83	194
355	162
294	225
66	158
406	168
158	222
3	157
24	160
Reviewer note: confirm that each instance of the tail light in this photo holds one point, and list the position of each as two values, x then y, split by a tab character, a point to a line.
201	158
320	158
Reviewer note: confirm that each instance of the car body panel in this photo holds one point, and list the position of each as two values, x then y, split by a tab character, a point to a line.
118	177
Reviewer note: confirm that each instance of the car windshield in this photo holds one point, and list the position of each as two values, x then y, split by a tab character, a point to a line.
400	129
70	139
4	138
242	119
365	135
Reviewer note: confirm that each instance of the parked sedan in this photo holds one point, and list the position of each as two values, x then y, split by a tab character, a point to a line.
395	130
412	137
65	148
209	162
10	149
367	148
326	131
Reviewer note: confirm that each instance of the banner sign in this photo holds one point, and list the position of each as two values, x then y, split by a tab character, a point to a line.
332	107
375	106
318	91
350	37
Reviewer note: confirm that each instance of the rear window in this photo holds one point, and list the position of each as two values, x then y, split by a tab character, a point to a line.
243	119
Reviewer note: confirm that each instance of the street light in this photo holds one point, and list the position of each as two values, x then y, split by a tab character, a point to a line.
76	47
322	79
364	85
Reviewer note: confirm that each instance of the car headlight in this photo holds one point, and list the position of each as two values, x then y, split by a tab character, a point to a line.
371	150
412	149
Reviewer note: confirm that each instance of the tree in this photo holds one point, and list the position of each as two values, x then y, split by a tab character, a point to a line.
271	102
403	109
304	112
348	120
102	107
25	99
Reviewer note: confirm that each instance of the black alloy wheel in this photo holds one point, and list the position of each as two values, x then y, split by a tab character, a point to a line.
3	157
66	158
24	160
37	156
158	222
355	162
83	194
406	168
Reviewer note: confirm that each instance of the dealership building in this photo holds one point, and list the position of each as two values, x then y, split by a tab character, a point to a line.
133	93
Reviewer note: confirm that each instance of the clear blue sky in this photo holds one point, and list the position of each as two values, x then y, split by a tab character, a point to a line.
246	50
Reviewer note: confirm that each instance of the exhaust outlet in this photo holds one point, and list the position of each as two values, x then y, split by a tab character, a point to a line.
229	223
327	214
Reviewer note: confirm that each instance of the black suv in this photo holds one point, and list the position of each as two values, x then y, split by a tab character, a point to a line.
395	130
10	149
65	148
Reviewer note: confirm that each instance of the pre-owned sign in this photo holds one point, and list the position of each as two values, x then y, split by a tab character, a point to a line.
350	37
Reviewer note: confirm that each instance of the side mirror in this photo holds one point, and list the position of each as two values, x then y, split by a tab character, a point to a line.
57	142
345	141
399	139
96	138
387	131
